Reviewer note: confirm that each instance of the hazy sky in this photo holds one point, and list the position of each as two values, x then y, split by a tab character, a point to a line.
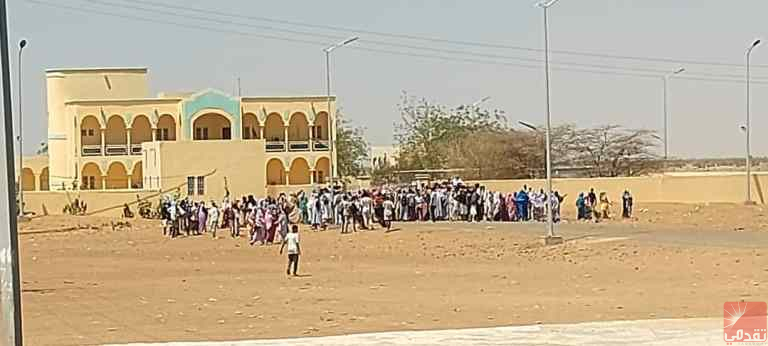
705	115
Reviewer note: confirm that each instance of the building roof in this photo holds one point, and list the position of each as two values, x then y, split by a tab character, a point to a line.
97	69
166	97
131	100
283	98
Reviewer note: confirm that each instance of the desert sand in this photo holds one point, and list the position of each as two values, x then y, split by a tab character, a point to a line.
95	285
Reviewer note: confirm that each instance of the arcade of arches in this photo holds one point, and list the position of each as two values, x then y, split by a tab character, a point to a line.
116	177
32	181
119	138
299	172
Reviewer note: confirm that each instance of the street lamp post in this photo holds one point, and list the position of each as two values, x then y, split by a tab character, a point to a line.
748	128
550	223
22	44
328	94
666	117
331	138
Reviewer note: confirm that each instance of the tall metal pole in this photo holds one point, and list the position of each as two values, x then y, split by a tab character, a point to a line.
22	44
748	163
665	79
328	95
748	130
330	126
666	124
550	222
10	283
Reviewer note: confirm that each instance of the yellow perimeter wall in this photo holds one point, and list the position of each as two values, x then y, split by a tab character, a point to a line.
670	188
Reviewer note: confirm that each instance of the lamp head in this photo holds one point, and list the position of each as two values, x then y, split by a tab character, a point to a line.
680	70
22	43
755	43
528	125
341	44
350	40
546	3
478	102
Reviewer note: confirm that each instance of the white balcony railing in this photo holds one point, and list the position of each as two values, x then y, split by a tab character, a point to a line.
135	149
117	149
298	145
275	146
321	145
91	150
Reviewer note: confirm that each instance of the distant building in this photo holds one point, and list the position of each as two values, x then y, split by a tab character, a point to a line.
380	155
105	133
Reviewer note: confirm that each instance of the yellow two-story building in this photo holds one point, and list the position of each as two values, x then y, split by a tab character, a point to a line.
105	133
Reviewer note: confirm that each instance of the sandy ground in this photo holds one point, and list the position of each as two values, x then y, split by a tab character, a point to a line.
99	285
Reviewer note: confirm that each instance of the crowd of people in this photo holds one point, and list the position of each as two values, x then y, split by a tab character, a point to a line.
264	218
268	218
445	201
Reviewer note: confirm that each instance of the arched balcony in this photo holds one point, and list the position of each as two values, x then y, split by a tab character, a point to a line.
299	172
320	132
117	176
141	131
116	136
212	126
91	177
275	172
251	128
322	170
298	132
275	133
166	128
91	137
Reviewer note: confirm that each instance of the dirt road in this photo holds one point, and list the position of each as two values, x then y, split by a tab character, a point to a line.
98	285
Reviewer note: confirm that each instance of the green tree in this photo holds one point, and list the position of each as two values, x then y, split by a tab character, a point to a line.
351	147
427	130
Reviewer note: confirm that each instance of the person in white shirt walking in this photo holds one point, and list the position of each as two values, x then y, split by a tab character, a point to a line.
294	250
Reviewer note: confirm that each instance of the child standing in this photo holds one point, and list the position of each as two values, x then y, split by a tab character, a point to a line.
292	242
